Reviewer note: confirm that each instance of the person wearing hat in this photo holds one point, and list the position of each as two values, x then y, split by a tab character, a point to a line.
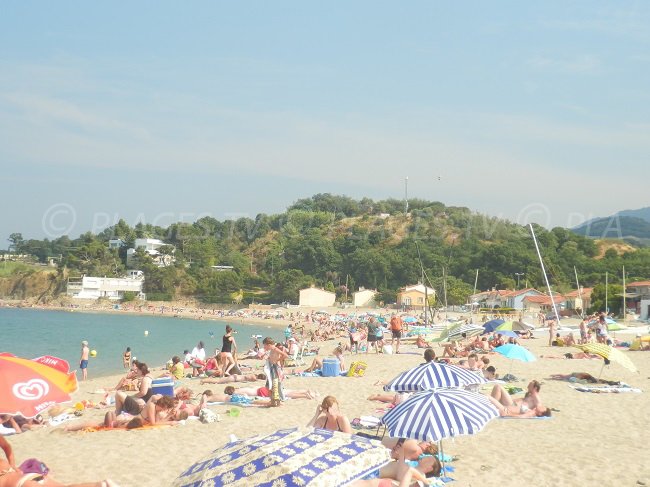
83	361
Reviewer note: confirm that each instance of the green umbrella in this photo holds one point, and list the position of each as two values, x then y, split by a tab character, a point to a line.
514	326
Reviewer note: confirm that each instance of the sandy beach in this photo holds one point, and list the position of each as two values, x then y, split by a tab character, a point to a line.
592	439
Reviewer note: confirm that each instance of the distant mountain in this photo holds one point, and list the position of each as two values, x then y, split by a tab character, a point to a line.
643	213
618	226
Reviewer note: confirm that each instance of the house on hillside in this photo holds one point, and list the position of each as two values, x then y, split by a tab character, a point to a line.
637	295
414	296
150	246
543	303
316	297
116	243
580	299
493	298
515	299
364	298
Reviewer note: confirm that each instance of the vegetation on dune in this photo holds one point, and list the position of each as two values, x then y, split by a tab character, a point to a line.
340	244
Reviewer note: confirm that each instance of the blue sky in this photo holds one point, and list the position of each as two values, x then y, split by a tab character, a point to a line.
166	111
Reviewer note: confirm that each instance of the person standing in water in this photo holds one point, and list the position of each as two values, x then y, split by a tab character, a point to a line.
126	358
83	361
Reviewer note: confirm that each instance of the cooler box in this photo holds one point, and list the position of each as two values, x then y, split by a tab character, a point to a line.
164	386
331	367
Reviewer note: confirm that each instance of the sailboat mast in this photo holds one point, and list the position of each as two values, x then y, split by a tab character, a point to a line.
582	304
606	290
548	286
624	304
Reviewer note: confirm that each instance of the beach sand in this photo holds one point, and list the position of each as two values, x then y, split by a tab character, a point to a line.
594	439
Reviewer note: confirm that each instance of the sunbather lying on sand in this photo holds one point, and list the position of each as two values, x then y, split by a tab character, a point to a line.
526	407
411	449
391	398
583	377
529	402
234	378
519	411
12	476
157	410
266	392
402	472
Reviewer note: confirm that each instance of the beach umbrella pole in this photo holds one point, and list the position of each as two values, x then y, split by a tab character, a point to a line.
601	370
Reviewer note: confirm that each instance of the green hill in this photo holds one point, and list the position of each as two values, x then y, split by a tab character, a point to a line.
340	244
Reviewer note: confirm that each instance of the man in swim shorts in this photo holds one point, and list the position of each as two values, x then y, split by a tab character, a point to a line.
83	361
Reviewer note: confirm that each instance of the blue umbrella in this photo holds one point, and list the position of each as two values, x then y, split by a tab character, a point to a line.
409	319
290	457
515	352
434	376
443	413
491	325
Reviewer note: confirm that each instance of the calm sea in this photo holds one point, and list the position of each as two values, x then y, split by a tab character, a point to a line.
31	333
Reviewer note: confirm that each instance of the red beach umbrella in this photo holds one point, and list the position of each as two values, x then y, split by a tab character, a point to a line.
29	387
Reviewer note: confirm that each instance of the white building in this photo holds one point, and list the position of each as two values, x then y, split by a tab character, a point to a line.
150	246
316	297
88	287
115	243
364	298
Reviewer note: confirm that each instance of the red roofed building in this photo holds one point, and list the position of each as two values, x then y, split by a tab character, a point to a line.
503	298
579	299
543	302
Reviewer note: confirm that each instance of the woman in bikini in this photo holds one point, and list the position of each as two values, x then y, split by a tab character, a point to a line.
329	417
228	351
528	406
134	404
403	472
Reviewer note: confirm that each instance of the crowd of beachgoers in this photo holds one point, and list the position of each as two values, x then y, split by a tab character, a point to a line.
255	373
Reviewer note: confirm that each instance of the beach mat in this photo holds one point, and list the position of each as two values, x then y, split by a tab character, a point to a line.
606	389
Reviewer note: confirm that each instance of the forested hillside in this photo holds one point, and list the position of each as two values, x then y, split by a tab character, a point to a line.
332	241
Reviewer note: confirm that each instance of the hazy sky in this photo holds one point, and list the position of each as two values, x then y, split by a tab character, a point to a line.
166	111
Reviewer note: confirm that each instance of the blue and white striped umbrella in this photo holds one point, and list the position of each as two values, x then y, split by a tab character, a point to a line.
434	376
443	413
288	458
470	330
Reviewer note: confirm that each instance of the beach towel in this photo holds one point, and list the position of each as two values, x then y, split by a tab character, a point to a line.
61	418
525	417
606	389
6	431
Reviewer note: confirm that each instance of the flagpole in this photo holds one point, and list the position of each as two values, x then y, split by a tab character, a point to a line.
550	293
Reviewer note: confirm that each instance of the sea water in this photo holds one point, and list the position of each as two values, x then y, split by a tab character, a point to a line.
31	333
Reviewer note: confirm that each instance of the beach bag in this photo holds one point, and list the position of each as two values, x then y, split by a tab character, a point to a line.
388	349
357	369
207	416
